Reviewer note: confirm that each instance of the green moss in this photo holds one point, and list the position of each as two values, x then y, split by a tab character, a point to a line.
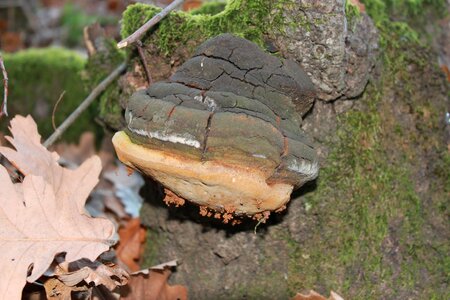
154	241
372	234
404	15
263	286
363	202
209	8
37	77
249	19
351	12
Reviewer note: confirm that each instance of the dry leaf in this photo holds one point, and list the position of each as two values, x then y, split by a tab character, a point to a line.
35	226
57	290
110	275
33	158
152	286
102	293
131	243
312	295
44	215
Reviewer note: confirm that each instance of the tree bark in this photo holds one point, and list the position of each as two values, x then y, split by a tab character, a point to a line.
373	224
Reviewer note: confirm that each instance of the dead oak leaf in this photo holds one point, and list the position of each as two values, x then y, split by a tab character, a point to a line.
31	157
44	215
57	290
152	285
35	226
109	275
131	243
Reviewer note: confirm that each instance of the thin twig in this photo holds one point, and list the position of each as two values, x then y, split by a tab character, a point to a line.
86	102
152	22
54	109
4	107
144	62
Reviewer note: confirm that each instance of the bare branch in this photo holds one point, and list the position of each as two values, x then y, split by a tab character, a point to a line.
4	107
86	102
152	22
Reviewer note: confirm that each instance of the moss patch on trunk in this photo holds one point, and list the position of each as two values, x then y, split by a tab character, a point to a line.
380	199
248	19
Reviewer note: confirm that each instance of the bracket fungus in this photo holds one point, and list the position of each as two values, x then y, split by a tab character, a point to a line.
224	130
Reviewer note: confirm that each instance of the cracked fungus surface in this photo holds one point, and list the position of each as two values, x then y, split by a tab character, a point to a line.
224	130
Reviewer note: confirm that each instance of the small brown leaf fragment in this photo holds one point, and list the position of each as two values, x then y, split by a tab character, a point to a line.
131	243
109	275
57	290
312	295
152	286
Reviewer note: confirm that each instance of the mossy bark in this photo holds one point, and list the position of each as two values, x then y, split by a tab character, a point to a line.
373	226
37	77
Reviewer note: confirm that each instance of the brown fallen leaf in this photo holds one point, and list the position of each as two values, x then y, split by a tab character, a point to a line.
57	290
312	295
131	244
152	286
109	275
44	215
31	157
102	293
